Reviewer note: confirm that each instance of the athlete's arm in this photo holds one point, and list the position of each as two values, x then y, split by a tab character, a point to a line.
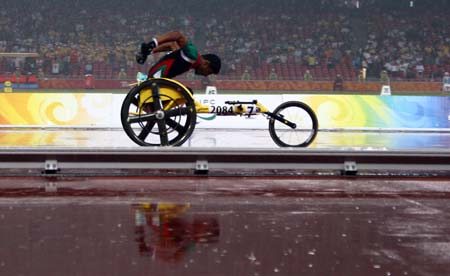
170	41
167	42
165	47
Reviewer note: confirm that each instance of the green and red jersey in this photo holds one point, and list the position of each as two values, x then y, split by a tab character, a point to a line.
176	63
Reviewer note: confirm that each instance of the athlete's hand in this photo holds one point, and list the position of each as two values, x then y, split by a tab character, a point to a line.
145	51
147	48
141	58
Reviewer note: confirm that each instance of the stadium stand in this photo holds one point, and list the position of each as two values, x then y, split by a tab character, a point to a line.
326	37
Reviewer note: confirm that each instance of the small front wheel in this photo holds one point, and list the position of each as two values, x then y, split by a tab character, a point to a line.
293	124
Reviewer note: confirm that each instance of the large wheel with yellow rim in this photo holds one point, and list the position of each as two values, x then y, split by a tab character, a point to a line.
159	112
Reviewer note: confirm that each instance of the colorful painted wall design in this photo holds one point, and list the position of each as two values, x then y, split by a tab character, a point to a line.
53	109
351	111
333	111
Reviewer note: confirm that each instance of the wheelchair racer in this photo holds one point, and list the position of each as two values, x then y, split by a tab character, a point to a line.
182	57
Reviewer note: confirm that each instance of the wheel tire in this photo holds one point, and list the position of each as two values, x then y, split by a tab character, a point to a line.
173	129
279	130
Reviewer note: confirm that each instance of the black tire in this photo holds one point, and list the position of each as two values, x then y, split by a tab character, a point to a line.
302	116
155	123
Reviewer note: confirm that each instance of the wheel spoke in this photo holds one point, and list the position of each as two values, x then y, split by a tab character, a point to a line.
181	129
174	125
157	105
134	101
177	111
146	130
141	118
163	132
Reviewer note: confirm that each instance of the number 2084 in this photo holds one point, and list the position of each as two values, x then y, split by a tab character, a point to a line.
222	109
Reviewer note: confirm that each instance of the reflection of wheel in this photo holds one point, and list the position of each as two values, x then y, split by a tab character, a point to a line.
302	129
159	112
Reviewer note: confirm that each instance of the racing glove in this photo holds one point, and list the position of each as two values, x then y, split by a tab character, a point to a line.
146	50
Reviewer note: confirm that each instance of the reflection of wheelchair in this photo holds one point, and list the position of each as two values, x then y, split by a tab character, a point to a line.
163	112
167	232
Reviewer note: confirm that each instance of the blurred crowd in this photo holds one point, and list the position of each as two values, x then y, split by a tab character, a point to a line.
262	39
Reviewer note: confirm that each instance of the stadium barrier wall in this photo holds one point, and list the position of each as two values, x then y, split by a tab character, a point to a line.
326	86
68	84
240	85
333	111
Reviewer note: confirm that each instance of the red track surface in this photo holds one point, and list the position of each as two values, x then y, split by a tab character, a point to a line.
224	226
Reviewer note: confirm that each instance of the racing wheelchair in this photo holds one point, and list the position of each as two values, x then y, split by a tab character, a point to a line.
163	112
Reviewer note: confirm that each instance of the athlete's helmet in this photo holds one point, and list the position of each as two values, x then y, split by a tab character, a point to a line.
214	62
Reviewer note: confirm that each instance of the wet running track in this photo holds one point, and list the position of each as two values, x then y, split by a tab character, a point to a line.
224	226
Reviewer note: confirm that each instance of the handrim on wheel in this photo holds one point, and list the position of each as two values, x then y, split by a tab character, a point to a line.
159	112
302	128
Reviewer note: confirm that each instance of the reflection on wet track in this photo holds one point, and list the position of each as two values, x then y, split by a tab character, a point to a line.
164	231
223	226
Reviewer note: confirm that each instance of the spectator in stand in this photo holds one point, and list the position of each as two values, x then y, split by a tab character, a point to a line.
362	75
246	75
395	69
311	61
410	74
17	73
420	69
384	77
273	75
190	75
338	84
40	74
436	74
446	82
212	78
88	68
307	76
122	74
55	67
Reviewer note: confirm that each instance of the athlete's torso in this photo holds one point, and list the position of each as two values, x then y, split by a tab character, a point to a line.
176	62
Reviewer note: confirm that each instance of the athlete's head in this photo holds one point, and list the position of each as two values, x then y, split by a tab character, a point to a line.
209	64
